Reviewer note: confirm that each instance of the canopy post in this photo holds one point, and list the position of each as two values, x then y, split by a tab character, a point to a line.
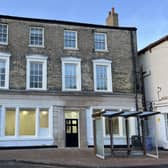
127	135
94	135
138	126
143	136
111	135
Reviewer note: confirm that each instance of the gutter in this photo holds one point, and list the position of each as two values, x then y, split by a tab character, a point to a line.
52	21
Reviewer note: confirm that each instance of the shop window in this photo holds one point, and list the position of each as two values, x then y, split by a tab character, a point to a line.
43	119
115	126
10	122
27	122
44	125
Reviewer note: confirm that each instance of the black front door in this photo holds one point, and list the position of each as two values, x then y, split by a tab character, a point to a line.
71	129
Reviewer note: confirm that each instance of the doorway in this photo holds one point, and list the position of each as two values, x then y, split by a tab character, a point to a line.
71	129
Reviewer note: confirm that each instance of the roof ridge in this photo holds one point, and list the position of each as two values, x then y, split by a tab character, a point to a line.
153	44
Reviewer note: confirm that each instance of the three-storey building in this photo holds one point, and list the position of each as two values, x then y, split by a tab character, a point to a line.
55	74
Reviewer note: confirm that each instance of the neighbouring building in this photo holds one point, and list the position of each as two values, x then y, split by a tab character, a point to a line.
153	61
55	74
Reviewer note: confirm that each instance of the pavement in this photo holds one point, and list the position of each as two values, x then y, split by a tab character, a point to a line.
75	158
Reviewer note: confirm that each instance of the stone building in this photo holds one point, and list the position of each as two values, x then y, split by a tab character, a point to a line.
55	74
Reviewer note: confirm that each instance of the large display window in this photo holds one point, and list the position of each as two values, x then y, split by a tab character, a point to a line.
10	122
25	122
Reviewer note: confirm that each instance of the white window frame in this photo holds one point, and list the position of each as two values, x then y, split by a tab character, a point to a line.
31	45
6	57
76	40
5	43
109	74
41	59
37	123
105	36
72	60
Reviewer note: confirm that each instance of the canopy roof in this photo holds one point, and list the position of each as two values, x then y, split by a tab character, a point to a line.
147	114
109	113
126	114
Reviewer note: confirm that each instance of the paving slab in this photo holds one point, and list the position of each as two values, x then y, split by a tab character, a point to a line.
74	157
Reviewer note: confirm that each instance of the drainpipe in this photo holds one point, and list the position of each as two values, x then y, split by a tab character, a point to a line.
143	88
134	58
135	73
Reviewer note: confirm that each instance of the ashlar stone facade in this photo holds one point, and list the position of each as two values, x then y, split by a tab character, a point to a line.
121	52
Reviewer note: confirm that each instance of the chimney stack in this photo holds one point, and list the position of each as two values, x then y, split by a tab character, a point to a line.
112	18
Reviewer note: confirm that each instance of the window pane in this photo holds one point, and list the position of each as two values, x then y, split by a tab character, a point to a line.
115	126
36	75
43	118
2	72
71	115
3	33
74	129
100	41
36	36
70	39
101	77
27	122
70	76
10	122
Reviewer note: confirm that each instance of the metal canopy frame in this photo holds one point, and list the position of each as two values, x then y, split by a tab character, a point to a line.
126	114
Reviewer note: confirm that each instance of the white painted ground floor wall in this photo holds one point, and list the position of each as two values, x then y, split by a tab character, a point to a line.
162	123
58	109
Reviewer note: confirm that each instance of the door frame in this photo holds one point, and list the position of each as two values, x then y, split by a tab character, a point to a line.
71	117
71	135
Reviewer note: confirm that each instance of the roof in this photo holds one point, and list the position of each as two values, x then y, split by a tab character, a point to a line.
152	45
112	113
64	22
148	114
125	114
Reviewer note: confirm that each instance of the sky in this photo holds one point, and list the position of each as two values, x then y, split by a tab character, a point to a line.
150	17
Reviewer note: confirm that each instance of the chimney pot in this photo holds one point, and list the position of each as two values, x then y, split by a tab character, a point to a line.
113	10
